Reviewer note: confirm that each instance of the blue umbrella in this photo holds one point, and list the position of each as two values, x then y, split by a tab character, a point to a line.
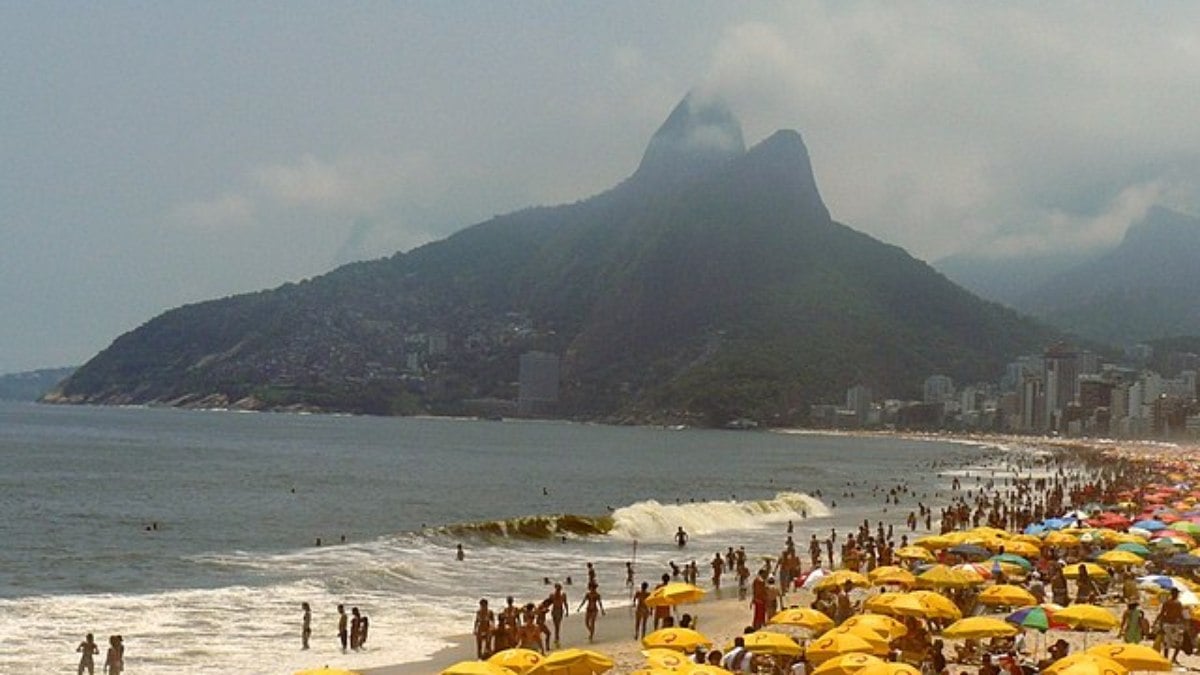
970	551
1185	560
1151	525
1058	523
1035	529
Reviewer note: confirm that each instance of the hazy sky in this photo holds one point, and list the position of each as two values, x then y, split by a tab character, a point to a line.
158	153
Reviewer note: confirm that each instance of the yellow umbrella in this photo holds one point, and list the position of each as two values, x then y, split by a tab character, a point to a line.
648	670
901	604
1028	539
914	553
894	575
665	658
573	662
934	542
460	668
886	626
518	660
674	593
1128	538
879	643
888	668
1021	548
1117	557
775	644
828	646
943	607
682	639
940	576
1087	617
705	669
979	627
803	617
1007	595
846	664
840	577
1132	656
1059	538
1083	663
1094	571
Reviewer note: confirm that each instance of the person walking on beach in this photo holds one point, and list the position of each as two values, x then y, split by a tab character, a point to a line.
305	625
114	662
641	611
87	649
343	622
1133	624
483	630
558	609
717	567
681	537
662	612
595	607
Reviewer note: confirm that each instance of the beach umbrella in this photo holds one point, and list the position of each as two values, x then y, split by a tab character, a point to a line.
934	542
885	626
814	577
1183	561
1094	571
1185	526
665	658
839	578
895	575
889	668
879	643
846	664
573	662
1060	539
518	660
1087	617
460	668
683	639
1006	595
1132	656
674	593
827	647
940	576
970	551
1120	558
1023	549
803	617
914	553
942	607
1133	547
1037	617
886	603
1035	529
774	644
1150	525
979	627
1013	558
1083	663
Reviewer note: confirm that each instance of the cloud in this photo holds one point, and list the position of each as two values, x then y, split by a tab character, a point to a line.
945	128
225	212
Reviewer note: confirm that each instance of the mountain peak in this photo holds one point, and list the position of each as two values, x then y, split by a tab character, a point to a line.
700	134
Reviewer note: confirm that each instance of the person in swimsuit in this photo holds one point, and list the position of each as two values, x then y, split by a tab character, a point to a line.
595	607
355	629
558	609
305	625
540	614
343	621
662	612
641	612
88	649
718	566
362	631
681	537
483	631
113	665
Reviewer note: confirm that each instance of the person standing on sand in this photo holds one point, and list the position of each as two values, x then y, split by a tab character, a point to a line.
758	600
88	649
305	625
483	631
595	606
662	612
343	622
641	612
558	609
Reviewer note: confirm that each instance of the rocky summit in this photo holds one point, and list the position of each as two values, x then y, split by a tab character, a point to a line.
711	285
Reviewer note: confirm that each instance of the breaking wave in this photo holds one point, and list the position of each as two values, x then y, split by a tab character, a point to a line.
654	520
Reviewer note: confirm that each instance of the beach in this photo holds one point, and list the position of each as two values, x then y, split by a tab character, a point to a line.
722	618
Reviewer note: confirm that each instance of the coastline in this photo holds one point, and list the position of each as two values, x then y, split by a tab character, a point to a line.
723	618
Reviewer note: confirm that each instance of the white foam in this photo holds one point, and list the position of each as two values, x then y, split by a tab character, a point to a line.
656	521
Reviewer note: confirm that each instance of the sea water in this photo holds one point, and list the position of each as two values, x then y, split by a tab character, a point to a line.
193	534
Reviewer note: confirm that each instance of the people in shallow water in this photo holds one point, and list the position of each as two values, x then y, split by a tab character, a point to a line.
305	625
681	537
459	555
87	650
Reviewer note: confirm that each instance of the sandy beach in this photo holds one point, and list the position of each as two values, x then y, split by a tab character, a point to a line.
721	616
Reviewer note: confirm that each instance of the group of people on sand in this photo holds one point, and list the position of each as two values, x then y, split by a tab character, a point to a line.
525	625
114	658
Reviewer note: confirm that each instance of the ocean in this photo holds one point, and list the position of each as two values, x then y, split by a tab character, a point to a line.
193	533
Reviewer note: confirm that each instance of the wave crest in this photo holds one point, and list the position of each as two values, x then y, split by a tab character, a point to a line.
654	520
533	527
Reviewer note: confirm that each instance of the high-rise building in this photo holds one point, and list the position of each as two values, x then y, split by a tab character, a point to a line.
858	400
939	389
1059	375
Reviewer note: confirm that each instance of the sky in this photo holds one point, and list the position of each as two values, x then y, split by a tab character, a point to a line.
154	154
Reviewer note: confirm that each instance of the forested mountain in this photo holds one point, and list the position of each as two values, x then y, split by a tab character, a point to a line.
712	284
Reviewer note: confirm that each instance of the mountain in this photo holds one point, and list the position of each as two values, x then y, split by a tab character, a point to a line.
710	285
1009	279
1143	289
31	385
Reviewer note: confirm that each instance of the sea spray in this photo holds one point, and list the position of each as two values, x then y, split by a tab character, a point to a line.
653	520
